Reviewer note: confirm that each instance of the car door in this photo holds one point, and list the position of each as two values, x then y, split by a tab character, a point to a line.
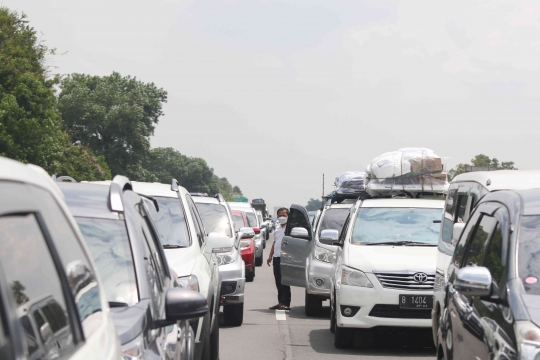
295	250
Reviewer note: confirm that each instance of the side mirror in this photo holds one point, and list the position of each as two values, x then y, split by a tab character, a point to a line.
247	232
183	304
216	242
256	230
473	281
457	229
45	332
300	232
329	236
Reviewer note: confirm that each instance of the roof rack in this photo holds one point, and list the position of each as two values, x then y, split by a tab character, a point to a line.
219	197
117	187
174	185
198	194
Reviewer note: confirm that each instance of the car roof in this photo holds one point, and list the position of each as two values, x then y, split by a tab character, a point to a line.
503	179
341	206
88	200
156	189
239	204
205	200
409	203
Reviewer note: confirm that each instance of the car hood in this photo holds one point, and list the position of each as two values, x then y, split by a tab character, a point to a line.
182	261
532	303
392	258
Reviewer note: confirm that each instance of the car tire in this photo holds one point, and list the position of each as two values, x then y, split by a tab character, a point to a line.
234	314
313	305
343	337
205	334
214	342
264	244
251	275
332	319
259	261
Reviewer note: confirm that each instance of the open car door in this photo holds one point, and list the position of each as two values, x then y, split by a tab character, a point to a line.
295	247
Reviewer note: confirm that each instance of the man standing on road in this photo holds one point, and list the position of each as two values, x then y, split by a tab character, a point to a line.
284	291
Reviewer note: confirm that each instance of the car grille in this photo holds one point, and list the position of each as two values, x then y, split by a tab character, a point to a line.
394	311
405	281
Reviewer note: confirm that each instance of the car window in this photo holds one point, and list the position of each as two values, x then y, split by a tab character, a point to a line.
34	279
529	254
333	219
493	258
461	208
296	219
155	255
215	218
252	220
199	229
238	222
463	240
111	250
345	228
376	225
477	245
448	220
170	221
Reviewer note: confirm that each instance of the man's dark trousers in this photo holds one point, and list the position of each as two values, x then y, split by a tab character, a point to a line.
284	291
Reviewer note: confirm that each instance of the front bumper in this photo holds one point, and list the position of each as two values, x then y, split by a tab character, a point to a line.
233	281
317	271
378	307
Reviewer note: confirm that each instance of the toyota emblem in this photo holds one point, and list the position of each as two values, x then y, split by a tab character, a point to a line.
420	277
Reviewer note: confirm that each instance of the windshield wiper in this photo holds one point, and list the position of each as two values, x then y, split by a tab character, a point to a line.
401	243
172	246
117	304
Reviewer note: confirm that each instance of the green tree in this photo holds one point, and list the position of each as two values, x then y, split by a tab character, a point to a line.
30	125
313	204
114	116
481	160
237	192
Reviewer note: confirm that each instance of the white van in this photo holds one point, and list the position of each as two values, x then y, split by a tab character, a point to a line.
463	194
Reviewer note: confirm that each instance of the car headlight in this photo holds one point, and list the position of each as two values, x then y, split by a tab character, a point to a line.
354	277
135	349
188	282
245	243
528	338
227	257
323	254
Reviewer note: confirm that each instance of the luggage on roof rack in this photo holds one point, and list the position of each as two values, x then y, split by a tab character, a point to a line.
350	183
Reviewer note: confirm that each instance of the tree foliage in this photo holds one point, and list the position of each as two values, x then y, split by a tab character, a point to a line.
481	160
313	204
30	125
114	116
192	173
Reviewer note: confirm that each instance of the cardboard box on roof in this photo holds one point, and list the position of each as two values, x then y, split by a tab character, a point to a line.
426	165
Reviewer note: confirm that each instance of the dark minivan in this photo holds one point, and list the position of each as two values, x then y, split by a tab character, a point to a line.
492	301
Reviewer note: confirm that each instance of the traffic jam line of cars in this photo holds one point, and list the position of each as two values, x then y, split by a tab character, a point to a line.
119	269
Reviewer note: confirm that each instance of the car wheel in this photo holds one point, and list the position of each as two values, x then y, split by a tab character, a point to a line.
259	261
332	319
313	305
214	342
343	337
264	243
205	339
251	275
234	314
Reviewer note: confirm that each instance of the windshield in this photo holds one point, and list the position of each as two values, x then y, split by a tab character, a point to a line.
252	220
214	218
333	219
109	245
382	225
170	222
529	254
238	222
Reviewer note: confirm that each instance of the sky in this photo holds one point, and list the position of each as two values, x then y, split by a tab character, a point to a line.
274	94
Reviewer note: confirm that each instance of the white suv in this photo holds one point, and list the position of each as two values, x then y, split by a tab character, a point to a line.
385	267
190	253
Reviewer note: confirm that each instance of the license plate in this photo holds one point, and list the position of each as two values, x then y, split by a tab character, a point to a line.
416	301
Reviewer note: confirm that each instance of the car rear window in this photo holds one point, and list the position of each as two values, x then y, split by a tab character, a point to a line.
238	222
333	219
214	218
110	248
377	225
252	220
529	254
170	221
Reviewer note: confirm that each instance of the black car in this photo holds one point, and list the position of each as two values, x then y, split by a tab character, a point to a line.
492	301
146	304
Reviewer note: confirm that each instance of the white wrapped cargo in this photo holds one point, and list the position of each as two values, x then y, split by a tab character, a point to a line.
350	183
408	170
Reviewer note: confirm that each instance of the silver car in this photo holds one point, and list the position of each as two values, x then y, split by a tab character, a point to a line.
253	221
217	217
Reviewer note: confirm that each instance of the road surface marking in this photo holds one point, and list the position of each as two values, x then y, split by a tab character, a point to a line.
280	315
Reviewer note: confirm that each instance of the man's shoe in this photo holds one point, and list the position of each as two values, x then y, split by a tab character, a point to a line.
275	307
285	307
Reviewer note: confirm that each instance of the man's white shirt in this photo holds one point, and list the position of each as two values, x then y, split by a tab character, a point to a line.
278	238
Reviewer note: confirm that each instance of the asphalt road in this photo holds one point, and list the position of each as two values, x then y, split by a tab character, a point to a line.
295	336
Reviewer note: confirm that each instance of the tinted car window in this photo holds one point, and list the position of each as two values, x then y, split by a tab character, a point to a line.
110	248
333	219
529	254
170	221
199	228
296	219
461	208
374	225
252	220
479	241
214	218
448	220
463	239
493	258
34	281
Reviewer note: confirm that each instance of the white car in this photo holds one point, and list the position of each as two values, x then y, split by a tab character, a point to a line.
384	271
253	221
190	253
52	301
463	194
